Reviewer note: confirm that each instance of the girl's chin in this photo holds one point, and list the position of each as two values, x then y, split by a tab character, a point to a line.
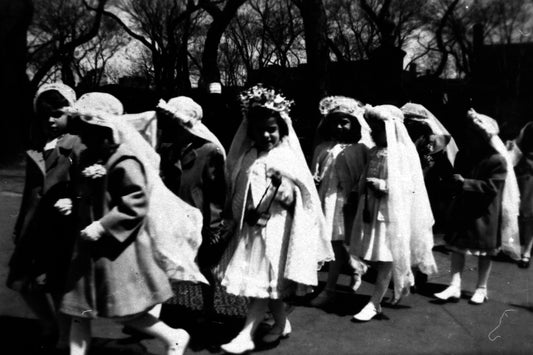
268	146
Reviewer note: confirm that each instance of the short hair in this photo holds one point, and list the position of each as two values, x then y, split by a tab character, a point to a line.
325	127
51	98
259	113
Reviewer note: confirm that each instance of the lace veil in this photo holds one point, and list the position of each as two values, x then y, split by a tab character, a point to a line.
410	220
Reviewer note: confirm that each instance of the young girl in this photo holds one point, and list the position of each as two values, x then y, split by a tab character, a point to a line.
392	227
42	234
524	175
338	163
116	270
485	208
280	238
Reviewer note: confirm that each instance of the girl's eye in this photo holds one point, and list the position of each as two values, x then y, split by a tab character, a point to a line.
56	114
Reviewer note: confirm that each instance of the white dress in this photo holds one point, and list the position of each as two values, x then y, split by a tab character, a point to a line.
369	238
257	266
337	168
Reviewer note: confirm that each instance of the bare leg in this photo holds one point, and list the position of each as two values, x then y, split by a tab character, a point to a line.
256	312
453	291
457	266
277	307
382	283
335	267
176	340
80	336
527	234
484	267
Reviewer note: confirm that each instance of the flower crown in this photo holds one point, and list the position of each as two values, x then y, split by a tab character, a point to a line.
258	95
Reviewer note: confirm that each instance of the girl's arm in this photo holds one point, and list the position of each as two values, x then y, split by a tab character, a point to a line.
127	187
496	172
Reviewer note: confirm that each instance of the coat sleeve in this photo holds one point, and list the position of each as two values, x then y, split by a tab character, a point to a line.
27	195
129	202
494	177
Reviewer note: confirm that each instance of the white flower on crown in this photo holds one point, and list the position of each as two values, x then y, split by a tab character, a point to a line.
258	95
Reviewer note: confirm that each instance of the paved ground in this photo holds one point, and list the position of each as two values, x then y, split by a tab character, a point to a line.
418	326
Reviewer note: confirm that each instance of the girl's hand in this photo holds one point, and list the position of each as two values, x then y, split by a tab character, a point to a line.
285	193
93	232
64	206
378	186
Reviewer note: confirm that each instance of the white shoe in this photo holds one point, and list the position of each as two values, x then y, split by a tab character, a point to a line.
479	296
274	334
451	293
181	341
238	345
367	313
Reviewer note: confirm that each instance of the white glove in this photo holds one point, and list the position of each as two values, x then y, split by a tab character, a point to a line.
93	232
64	206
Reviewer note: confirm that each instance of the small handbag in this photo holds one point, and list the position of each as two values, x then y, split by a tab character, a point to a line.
255	217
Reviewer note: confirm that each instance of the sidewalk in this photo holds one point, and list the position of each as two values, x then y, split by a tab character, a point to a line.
503	325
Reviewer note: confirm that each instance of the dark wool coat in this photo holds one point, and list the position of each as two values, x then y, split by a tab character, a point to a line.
196	175
43	237
117	275
524	176
476	210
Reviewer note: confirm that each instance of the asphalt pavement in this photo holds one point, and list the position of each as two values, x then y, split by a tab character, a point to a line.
419	325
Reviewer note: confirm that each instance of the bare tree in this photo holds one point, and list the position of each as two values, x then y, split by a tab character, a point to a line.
449	40
221	19
58	28
314	18
164	27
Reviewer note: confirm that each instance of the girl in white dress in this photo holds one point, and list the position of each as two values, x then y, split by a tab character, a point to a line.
338	163
393	225
280	237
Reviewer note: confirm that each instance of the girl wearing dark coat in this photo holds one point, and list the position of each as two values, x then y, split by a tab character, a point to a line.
524	175
476	216
42	233
114	273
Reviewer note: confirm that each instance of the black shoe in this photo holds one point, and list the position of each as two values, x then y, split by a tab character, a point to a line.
524	262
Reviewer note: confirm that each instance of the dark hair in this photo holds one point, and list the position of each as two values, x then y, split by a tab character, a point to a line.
51	99
325	127
259	113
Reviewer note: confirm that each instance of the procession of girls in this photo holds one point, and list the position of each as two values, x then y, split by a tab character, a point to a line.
115	212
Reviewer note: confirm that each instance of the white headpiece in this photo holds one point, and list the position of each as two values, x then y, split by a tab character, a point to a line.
189	115
348	106
66	91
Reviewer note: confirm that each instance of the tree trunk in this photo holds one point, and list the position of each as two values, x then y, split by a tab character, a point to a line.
316	47
15	92
221	19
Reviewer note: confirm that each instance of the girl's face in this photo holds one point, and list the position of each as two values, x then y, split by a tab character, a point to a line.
341	127
57	122
379	134
265	133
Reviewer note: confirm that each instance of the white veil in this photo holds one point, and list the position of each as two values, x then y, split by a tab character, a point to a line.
173	226
409	233
309	245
